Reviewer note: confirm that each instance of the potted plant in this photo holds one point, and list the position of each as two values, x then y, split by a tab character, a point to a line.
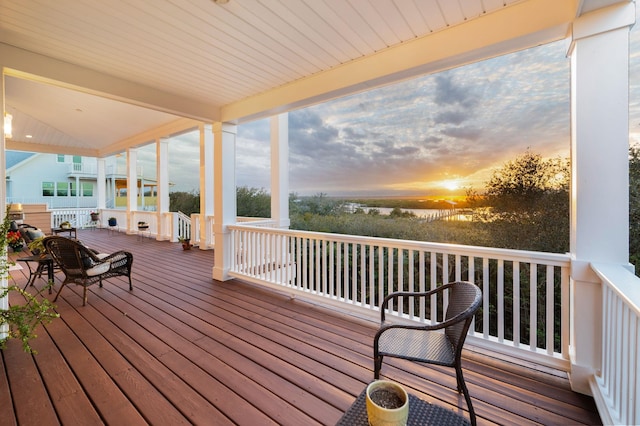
143	225
186	242
94	216
387	403
65	225
14	240
37	246
113	221
21	320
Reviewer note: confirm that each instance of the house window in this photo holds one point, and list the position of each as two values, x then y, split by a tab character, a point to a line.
87	189
62	189
72	186
47	189
60	158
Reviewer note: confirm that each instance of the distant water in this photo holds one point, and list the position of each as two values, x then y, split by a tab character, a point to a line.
430	214
417	212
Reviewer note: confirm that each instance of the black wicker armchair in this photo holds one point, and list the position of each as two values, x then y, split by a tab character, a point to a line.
439	343
83	266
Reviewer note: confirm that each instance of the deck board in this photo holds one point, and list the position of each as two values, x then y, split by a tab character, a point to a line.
182	348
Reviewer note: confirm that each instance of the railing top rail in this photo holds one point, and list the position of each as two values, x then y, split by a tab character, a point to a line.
555	259
622	281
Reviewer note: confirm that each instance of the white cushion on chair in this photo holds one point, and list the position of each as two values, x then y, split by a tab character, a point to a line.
99	269
102	255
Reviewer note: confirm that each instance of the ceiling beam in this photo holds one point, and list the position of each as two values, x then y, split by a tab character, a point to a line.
15	145
174	128
519	26
32	66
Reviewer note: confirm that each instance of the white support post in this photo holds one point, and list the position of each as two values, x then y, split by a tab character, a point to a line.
101	185
225	195
280	170
162	182
206	185
132	187
599	175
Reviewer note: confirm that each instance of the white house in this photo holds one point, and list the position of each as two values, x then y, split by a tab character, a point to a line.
70	181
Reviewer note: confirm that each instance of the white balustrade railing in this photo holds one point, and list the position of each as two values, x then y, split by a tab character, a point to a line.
78	218
616	387
525	294
183	226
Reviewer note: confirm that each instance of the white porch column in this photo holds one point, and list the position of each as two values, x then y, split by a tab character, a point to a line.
206	184
280	170
132	186
599	181
101	185
224	184
162	185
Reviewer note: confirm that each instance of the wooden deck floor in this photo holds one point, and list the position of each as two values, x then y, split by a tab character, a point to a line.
182	348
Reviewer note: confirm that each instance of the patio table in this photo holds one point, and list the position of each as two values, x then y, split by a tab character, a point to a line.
420	413
70	230
43	261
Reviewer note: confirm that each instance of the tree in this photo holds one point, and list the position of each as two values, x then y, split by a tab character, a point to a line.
253	202
522	184
634	206
529	200
185	202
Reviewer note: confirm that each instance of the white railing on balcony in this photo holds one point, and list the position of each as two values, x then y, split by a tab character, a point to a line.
616	387
82	168
523	292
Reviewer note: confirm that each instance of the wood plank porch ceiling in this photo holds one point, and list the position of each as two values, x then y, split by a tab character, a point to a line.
236	62
182	349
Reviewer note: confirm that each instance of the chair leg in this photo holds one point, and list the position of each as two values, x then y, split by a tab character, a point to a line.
60	290
84	296
462	386
377	365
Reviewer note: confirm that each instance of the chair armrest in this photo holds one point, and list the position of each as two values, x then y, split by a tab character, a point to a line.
412	295
118	255
408	294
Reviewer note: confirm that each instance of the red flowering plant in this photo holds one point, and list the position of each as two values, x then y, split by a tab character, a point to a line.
14	240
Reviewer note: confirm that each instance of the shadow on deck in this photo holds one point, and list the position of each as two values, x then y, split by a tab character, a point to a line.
182	348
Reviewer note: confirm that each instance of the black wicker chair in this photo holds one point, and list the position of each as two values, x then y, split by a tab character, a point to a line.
439	343
83	266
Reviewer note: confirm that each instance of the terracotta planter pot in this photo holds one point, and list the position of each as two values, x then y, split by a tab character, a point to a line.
389	393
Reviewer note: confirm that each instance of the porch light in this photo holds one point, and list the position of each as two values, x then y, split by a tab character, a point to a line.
7	125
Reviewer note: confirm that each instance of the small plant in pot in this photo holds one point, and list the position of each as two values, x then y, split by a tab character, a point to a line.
112	221
15	241
94	216
387	404
65	225
186	242
21	320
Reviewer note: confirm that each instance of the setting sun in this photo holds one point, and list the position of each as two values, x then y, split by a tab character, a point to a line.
451	185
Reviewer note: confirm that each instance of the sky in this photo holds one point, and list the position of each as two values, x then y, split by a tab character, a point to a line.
430	136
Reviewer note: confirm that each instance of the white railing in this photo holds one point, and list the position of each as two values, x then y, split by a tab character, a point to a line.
79	218
88	169
57	202
616	387
525	294
183	226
